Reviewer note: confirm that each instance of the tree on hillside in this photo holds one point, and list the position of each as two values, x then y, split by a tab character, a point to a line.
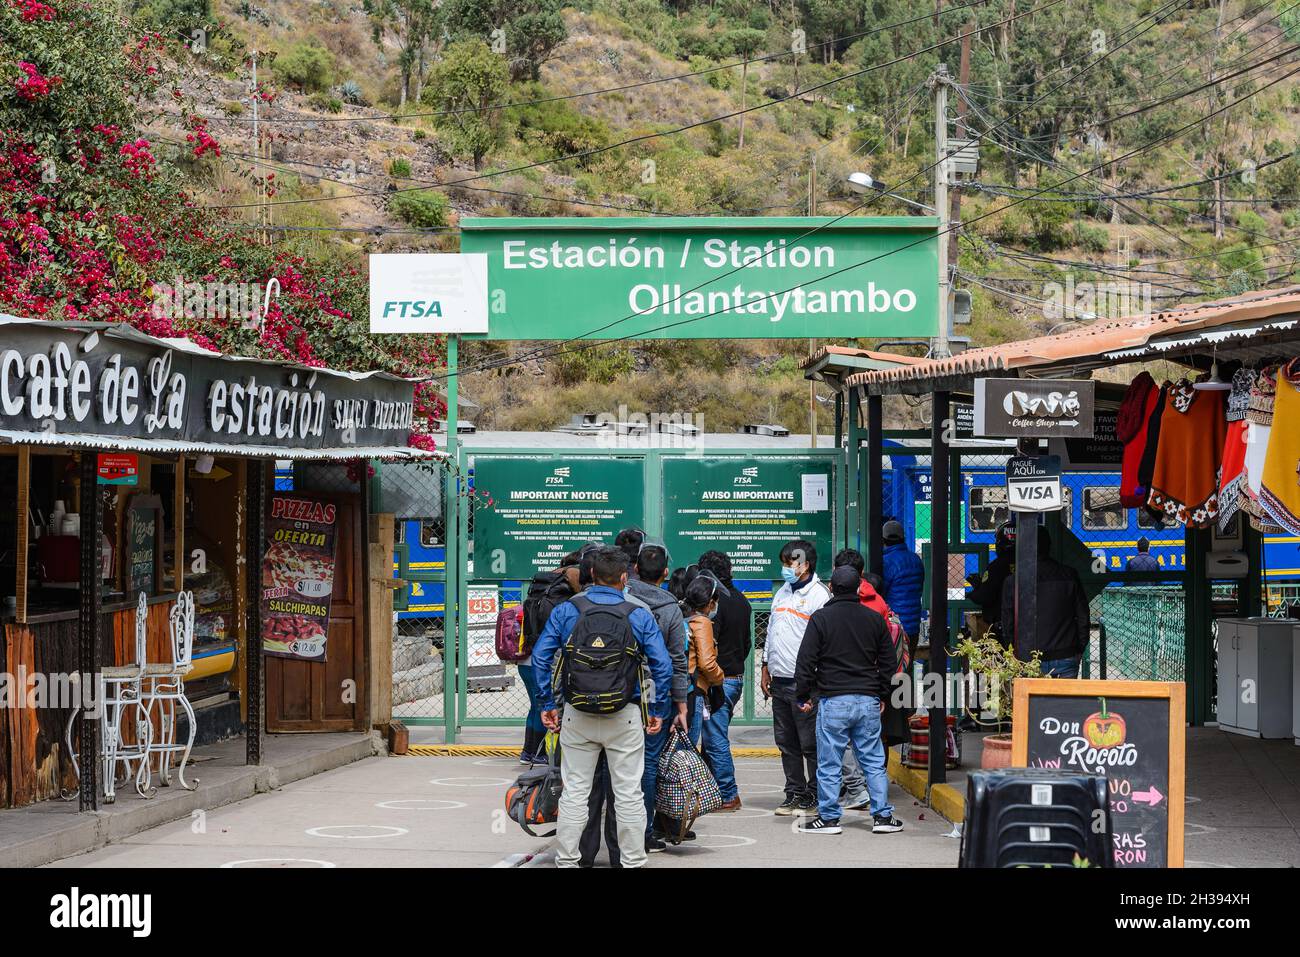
469	78
412	25
531	29
744	43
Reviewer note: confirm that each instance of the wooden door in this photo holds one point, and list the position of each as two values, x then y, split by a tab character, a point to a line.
329	695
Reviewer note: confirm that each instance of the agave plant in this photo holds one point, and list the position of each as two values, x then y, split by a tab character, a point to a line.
350	92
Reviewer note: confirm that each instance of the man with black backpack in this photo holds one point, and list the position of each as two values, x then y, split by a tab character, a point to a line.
652	569
592	654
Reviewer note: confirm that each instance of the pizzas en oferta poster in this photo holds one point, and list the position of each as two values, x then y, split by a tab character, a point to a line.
297	576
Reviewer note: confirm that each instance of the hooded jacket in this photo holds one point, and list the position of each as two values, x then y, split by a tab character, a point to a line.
1064	623
668	615
845	650
904	578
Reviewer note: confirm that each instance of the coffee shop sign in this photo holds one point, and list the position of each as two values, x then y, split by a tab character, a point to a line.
56	387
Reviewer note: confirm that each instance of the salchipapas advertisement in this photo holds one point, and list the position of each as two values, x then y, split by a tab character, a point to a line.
297	577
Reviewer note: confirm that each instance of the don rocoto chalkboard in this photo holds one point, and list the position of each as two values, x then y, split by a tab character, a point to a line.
1127	739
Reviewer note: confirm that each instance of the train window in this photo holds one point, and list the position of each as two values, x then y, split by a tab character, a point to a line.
988	508
431	533
1102	510
1148	521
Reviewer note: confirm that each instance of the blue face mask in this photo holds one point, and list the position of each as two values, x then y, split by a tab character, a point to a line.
789	574
713	613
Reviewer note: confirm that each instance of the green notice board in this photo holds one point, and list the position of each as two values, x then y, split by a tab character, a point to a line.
748	507
542	508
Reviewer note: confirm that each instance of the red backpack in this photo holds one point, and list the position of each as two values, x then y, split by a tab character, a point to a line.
511	645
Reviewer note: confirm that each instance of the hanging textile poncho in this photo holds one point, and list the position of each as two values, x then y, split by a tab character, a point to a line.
1280	489
1147	463
1259	418
1185	484
1233	474
1131	429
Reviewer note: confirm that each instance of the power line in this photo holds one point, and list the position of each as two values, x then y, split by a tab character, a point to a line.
495	107
544	352
583	154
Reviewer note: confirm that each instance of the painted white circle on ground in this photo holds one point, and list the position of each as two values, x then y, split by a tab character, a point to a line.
392	831
412	804
279	862
471	782
1200	829
714	842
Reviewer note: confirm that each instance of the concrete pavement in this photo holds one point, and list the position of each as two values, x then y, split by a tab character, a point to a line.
447	812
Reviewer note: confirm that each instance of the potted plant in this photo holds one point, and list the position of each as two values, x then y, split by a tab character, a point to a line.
996	667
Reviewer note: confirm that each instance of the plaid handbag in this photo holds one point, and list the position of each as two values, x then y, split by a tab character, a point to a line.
686	789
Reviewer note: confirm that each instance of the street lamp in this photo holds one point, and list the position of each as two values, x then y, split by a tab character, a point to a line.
863	183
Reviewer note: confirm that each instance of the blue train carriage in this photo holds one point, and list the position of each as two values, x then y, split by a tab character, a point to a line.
1092	512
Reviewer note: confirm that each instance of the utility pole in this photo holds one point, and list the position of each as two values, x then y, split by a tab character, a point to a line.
812	343
963	79
939	81
257	151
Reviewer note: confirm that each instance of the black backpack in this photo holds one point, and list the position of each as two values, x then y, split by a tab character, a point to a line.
600	669
546	592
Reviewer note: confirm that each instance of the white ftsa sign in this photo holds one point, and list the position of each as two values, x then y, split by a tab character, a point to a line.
428	292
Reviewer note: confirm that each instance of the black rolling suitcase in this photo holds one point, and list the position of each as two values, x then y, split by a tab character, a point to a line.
1036	817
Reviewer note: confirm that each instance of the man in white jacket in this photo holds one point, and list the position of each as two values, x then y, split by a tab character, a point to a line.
795	731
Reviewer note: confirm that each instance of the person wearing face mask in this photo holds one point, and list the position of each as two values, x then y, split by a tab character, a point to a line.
795	730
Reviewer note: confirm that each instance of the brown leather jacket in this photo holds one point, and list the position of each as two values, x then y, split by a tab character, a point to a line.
702	657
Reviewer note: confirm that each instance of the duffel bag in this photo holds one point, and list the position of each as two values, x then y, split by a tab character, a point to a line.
686	788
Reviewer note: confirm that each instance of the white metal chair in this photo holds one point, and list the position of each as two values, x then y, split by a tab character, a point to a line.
164	685
118	694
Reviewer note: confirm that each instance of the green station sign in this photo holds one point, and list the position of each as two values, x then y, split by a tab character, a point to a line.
530	511
747	507
708	277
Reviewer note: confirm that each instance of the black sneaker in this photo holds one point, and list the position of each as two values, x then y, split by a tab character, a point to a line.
653	845
818	826
882	824
789	806
688	836
808	804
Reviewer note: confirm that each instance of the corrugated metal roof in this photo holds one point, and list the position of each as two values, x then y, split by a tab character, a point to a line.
891	358
121	330
1105	342
174	447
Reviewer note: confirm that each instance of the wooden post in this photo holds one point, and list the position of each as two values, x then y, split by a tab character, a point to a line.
1026	593
178	524
24	527
381	620
937	667
88	628
256	511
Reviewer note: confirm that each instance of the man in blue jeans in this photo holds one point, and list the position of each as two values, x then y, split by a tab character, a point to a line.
651	569
845	665
731	631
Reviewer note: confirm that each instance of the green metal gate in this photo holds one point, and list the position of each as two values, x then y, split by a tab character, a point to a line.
501	700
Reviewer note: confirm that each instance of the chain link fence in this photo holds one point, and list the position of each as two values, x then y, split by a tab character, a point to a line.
412	492
1138	626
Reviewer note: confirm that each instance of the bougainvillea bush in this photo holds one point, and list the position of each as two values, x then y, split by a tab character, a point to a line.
94	214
